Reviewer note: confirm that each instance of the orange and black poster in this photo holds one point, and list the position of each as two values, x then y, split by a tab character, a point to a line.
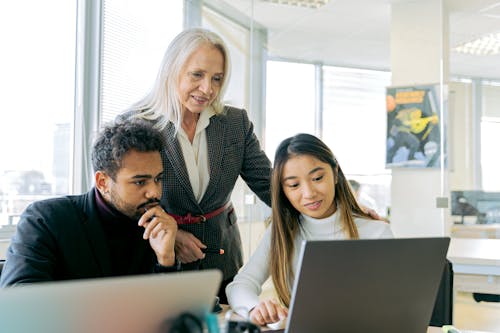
413	127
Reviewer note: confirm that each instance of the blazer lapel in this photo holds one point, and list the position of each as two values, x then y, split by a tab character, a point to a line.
95	235
215	142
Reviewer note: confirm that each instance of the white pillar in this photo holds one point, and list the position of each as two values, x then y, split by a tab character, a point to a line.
419	55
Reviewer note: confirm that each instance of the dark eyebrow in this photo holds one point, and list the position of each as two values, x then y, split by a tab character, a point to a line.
310	173
316	169
142	176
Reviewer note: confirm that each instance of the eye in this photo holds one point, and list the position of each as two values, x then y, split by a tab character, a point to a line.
196	75
140	182
291	185
158	179
316	179
218	79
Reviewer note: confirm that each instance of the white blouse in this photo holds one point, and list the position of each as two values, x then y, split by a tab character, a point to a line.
196	154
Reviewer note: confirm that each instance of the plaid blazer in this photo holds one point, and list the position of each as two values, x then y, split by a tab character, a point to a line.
233	150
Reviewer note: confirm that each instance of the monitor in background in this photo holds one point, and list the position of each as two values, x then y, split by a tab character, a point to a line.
143	303
482	207
379	285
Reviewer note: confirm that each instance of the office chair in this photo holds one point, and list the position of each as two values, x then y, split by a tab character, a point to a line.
442	314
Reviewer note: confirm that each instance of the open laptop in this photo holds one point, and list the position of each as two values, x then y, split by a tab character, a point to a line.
135	304
380	285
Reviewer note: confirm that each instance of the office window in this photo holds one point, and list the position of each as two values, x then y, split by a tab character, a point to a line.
354	126
37	83
237	40
490	136
290	102
136	34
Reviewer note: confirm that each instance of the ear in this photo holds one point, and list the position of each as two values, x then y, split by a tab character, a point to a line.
102	181
336	174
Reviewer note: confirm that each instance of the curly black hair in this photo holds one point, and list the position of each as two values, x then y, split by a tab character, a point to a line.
118	138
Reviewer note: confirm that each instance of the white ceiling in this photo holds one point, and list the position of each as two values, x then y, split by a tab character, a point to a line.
356	32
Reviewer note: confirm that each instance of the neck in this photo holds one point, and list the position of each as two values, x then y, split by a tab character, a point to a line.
189	122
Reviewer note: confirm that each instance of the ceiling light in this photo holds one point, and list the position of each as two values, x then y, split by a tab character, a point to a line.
486	45
300	3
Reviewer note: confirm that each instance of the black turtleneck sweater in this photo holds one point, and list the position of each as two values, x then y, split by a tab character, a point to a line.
128	251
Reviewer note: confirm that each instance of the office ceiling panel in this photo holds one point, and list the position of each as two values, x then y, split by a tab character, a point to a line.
356	32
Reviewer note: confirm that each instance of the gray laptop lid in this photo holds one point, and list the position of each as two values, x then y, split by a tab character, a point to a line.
135	304
380	285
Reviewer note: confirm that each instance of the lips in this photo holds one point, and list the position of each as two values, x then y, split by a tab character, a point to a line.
200	100
151	205
148	205
313	205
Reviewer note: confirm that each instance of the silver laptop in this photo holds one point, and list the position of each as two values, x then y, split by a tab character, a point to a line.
136	304
382	285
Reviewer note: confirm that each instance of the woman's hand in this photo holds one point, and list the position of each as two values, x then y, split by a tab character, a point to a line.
268	311
373	214
188	247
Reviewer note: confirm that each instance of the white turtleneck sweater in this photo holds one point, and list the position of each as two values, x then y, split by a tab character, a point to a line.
243	293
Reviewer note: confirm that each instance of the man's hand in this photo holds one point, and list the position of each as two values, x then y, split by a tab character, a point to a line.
188	247
160	229
268	311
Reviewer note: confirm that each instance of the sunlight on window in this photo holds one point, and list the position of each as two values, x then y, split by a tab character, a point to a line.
37	63
490	164
135	37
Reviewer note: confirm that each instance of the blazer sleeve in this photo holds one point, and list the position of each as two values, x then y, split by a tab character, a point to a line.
31	256
256	168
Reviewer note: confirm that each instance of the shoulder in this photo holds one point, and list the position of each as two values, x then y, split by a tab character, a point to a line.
233	121
53	211
233	113
373	229
50	204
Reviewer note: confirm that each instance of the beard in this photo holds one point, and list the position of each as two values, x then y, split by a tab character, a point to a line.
123	207
128	209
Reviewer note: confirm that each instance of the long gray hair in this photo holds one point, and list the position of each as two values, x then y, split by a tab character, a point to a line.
161	104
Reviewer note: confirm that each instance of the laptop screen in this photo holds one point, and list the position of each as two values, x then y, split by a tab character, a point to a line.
141	303
375	285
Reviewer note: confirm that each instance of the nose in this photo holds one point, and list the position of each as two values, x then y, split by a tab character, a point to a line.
154	191
308	190
206	85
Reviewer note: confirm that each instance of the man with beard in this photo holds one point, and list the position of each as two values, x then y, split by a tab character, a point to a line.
117	228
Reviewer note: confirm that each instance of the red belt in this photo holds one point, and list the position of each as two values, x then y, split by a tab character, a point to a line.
190	219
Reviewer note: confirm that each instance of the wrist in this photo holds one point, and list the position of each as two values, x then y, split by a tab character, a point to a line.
175	267
167	261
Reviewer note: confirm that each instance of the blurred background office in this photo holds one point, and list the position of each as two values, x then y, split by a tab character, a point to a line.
320	67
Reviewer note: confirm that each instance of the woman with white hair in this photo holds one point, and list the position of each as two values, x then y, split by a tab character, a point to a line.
207	146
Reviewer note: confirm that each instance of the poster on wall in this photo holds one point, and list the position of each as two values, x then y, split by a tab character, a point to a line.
414	127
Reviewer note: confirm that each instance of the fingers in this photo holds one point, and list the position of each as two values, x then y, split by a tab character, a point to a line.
188	247
156	222
269	311
373	214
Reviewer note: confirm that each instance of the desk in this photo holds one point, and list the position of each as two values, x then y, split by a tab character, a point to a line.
476	230
225	308
476	264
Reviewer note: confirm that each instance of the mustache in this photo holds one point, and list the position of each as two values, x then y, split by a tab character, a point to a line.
149	203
